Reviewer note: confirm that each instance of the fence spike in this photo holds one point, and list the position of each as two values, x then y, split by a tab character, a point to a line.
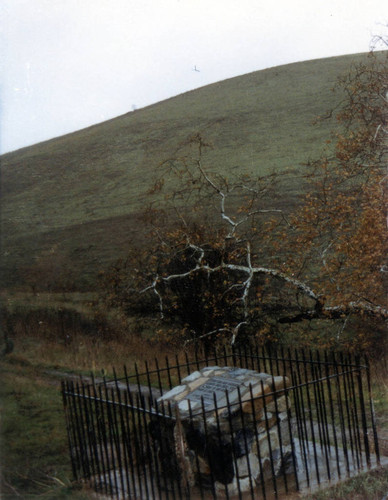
114	430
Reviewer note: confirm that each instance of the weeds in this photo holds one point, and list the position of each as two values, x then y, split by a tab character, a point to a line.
367	486
34	451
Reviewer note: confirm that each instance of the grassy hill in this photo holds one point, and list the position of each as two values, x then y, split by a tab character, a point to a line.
74	200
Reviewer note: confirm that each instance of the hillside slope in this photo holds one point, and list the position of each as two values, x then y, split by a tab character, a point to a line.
73	200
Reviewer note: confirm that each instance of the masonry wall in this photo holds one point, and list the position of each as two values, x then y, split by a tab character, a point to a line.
232	429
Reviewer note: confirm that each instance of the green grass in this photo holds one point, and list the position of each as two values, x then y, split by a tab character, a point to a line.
73	202
34	453
76	301
34	456
74	199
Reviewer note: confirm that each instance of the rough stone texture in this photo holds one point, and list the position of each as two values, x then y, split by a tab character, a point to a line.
279	406
265	441
278	383
178	390
234	487
234	426
253	403
190	378
247	465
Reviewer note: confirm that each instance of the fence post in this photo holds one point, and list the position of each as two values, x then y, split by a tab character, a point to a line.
68	420
115	436
363	412
373	416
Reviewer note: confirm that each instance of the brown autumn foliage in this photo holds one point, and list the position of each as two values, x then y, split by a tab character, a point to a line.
341	231
226	262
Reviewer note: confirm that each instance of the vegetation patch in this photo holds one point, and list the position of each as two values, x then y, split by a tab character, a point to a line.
257	224
367	486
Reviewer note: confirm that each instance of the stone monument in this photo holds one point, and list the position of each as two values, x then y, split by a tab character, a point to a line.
228	428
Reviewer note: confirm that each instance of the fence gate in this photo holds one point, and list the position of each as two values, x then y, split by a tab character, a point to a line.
238	423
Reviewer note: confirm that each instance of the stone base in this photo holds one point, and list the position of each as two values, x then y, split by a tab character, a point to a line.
239	444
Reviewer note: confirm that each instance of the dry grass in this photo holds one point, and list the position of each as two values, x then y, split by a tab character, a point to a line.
379	378
34	439
34	452
371	485
86	354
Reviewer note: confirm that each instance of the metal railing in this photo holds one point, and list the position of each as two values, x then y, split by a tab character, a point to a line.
124	442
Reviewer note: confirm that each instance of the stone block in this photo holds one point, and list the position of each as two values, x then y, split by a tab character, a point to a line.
220	372
266	423
238	372
278	383
266	469
287	465
264	440
190	378
196	383
242	441
281	405
236	486
256	404
284	429
179	389
247	464
228	452
251	381
209	371
185	405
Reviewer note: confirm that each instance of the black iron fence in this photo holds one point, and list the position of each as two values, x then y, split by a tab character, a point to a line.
316	425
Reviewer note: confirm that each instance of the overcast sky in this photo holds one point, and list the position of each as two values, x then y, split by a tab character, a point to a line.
67	64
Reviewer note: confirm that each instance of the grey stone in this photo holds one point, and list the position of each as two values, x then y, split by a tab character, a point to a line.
217	386
245	484
242	485
243	440
220	489
247	464
209	370
284	429
265	440
173	392
190	378
287	465
237	372
185	405
251	381
266	469
230	443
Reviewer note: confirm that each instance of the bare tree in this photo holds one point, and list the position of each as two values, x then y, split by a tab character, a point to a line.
228	262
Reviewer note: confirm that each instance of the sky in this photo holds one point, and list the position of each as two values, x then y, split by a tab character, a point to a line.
68	64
